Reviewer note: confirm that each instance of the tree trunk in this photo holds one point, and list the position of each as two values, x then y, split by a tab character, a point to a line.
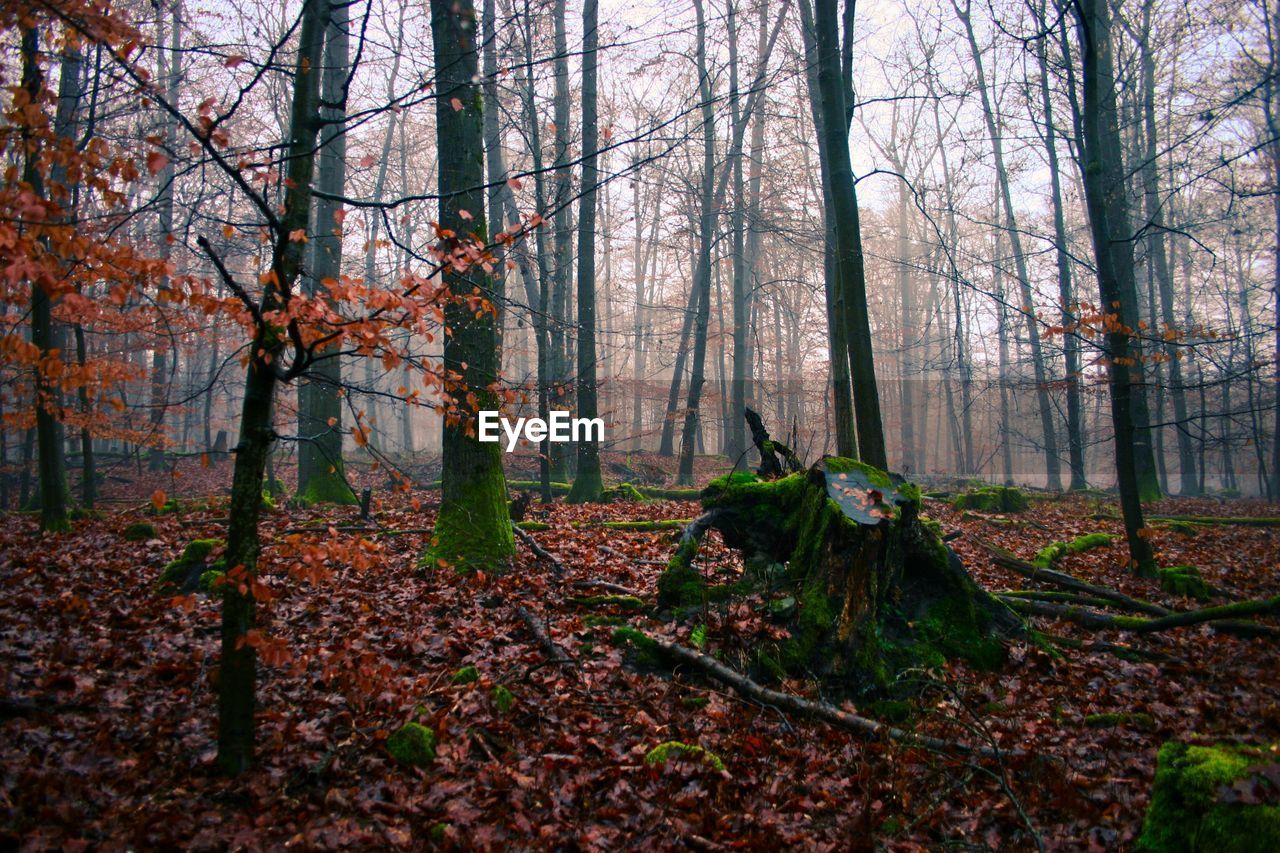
321	474
1102	170
587	484
1027	308
473	529
1066	295
702	272
238	666
563	234
850	273
159	357
50	455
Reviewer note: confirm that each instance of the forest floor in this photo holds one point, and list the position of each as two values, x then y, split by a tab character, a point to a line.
107	692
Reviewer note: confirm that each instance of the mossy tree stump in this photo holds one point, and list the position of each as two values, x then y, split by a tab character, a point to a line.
877	589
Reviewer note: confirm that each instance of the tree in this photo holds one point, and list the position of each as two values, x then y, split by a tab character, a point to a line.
587	484
473	529
849	277
1102	170
321	475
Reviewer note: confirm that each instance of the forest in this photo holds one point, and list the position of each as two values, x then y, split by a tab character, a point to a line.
672	424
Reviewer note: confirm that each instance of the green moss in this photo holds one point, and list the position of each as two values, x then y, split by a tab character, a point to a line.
1185	580
466	675
325	487
139	531
695	703
196	554
845	465
951	626
814	624
646	526
210	581
533	525
993	499
680	583
626	602
676	749
535	485
198	550
646	651
413	744
1182	528
892	710
503	699
439	833
623	492
596	620
588	486
1055	551
473	530
1137	720
699	637
1187	812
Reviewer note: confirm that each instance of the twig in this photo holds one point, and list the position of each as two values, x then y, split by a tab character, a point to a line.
818	710
537	549
557	654
596	583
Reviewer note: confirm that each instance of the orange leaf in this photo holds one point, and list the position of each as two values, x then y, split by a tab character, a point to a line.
156	161
457	105
158	499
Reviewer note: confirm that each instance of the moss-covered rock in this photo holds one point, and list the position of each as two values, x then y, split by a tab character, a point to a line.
186	571
1185	580
211	581
413	743
676	749
993	499
1192	806
139	531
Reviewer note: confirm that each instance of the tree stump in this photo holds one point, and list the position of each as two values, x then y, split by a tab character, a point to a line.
873	589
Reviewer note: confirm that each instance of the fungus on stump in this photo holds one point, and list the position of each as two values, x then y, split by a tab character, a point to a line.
877	591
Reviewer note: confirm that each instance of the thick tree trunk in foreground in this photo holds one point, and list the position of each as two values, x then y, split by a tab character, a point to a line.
473	530
869	589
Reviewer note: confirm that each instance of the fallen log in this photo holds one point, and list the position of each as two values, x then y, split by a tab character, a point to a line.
1005	560
1139	624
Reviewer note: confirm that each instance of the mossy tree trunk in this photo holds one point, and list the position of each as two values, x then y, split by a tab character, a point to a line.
473	529
876	590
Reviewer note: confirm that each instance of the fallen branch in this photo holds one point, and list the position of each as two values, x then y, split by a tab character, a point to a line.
790	702
1104	621
537	549
554	652
1113	648
1055	597
595	583
1005	560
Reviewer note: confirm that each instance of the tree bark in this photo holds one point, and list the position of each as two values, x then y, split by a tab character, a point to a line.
321	474
1102	173
473	529
587	484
